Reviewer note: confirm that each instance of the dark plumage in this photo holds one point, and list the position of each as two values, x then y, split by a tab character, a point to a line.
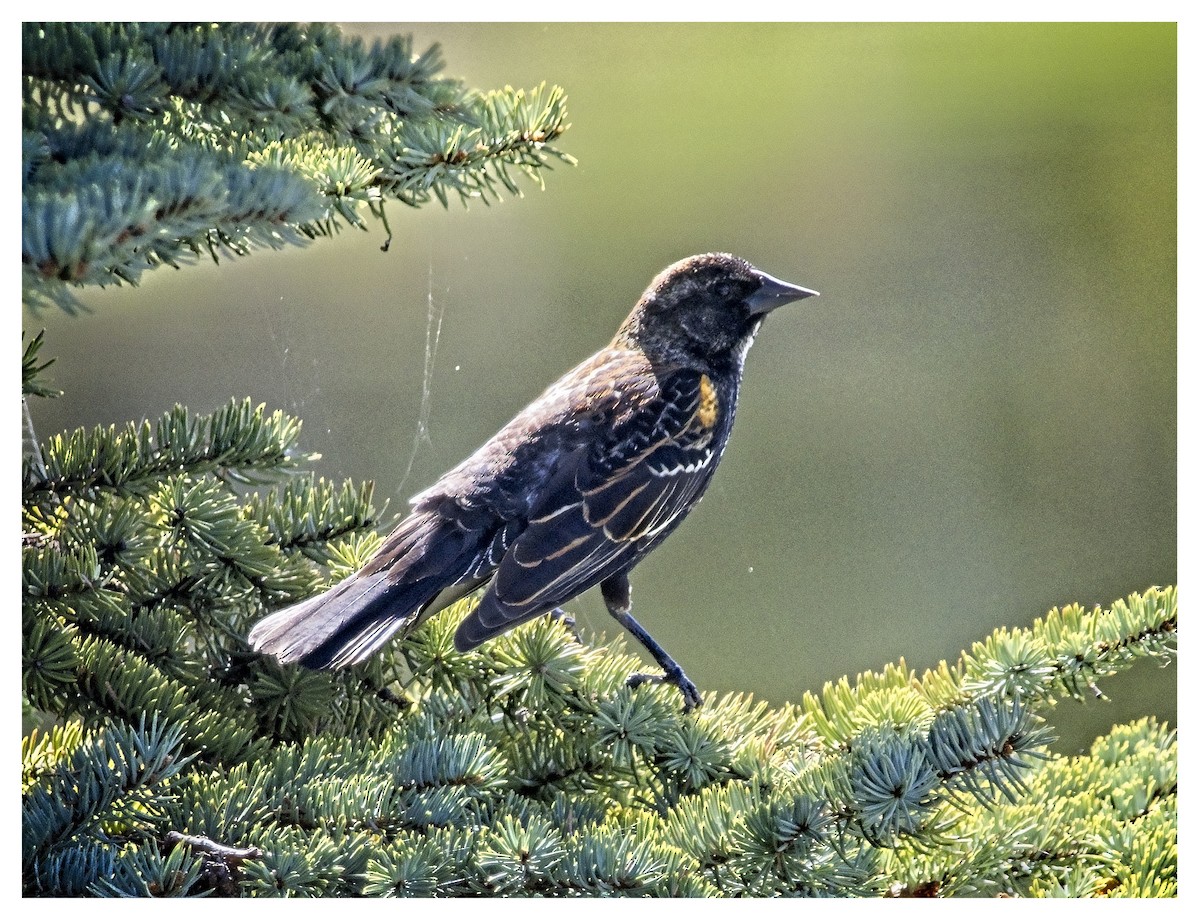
573	492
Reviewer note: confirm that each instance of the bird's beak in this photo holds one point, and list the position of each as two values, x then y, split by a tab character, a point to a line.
775	293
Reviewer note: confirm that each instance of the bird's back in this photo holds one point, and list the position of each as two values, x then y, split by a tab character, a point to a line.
509	473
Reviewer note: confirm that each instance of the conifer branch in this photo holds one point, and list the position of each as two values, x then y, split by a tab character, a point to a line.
149	144
237	442
115	777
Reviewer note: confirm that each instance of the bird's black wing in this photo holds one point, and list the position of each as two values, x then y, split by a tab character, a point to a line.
608	503
460	528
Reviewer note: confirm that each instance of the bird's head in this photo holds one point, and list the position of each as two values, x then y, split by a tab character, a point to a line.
705	309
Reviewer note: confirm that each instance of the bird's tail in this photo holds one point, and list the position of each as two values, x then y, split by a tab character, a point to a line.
350	621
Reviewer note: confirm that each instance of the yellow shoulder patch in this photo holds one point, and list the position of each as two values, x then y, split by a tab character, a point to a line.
706	413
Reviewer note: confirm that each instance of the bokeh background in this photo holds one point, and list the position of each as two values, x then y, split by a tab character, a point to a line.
976	421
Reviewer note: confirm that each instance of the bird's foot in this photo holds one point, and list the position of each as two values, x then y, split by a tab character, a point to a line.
691	694
567	621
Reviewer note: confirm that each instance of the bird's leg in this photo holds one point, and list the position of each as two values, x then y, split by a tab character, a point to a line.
616	592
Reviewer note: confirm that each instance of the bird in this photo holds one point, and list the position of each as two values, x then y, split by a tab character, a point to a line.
572	493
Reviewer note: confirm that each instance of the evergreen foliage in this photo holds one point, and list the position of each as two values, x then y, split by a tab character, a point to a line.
526	767
170	760
146	144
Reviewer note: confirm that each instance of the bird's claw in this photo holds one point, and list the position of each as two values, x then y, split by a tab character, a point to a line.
691	694
567	620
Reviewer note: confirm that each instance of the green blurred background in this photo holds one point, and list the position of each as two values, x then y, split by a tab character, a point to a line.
975	422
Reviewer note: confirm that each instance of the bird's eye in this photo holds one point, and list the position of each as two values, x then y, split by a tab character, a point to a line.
726	289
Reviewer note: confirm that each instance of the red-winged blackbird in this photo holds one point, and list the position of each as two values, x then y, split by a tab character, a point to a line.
573	492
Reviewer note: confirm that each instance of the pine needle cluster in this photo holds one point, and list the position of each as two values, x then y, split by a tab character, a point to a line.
148	144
